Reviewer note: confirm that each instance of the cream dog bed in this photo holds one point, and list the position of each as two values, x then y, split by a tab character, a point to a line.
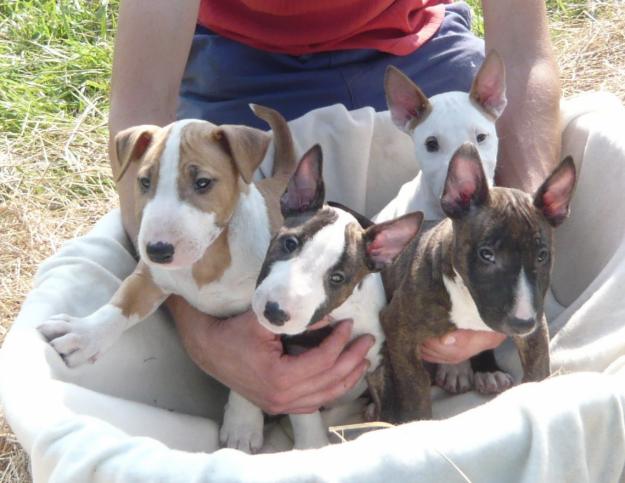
144	413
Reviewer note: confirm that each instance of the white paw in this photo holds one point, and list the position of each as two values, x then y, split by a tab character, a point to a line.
312	442
455	378
309	431
492	382
81	339
242	430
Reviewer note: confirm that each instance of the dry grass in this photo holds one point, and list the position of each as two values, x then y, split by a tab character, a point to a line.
591	48
13	459
55	180
53	186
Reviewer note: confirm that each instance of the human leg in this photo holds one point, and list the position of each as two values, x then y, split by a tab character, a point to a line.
222	76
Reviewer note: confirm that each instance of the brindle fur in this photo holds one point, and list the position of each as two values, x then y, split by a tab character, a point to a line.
420	305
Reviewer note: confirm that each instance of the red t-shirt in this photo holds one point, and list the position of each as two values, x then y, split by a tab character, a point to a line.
300	27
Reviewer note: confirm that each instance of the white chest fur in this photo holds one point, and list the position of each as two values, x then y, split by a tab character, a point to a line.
364	306
248	240
464	313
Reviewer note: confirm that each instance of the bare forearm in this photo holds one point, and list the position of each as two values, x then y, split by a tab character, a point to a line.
529	128
197	331
151	50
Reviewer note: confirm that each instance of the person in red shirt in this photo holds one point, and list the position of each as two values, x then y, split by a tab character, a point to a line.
210	58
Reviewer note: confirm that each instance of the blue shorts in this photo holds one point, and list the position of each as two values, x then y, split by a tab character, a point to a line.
223	76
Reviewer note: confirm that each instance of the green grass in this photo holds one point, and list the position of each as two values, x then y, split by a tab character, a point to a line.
559	8
55	60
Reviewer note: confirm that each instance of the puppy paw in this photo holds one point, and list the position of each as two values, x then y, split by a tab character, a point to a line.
309	431
242	428
492	382
81	339
72	338
371	413
455	378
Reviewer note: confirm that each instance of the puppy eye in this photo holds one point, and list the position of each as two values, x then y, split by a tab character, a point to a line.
337	278
431	144
487	255
542	255
202	185
145	183
290	244
481	137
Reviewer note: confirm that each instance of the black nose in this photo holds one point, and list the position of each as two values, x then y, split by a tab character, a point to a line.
275	314
160	252
516	326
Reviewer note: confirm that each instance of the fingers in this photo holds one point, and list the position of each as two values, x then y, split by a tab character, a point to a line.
460	345
315	400
348	361
322	357
331	369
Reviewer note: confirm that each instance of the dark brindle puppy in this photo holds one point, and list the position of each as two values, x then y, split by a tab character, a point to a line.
487	266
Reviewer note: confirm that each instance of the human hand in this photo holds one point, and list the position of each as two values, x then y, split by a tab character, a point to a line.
249	359
460	345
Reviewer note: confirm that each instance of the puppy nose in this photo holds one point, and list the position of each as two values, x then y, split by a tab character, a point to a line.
160	252
520	326
275	314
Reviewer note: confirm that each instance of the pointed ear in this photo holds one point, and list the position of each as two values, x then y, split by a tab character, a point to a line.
489	86
131	144
553	197
385	241
466	184
305	191
247	147
408	105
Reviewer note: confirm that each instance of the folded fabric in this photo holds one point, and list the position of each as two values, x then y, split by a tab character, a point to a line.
145	413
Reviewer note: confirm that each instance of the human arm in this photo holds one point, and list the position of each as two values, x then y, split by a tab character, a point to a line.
528	129
250	360
151	49
152	46
529	132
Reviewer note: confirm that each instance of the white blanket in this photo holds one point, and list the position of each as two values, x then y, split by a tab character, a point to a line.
145	413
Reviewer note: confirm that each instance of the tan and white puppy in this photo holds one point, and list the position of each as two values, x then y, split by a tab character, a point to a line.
440	125
204	231
322	265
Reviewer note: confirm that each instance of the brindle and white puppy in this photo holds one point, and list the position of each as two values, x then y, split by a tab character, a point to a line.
438	126
485	267
204	231
321	265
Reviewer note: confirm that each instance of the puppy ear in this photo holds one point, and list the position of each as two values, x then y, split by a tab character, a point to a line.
489	85
553	197
466	184
131	144
408	105
246	145
305	191
385	241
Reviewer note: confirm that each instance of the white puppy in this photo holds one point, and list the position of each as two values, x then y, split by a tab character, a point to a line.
440	125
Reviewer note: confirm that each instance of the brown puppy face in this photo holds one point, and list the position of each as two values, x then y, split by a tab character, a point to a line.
320	254
503	252
503	243
189	181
